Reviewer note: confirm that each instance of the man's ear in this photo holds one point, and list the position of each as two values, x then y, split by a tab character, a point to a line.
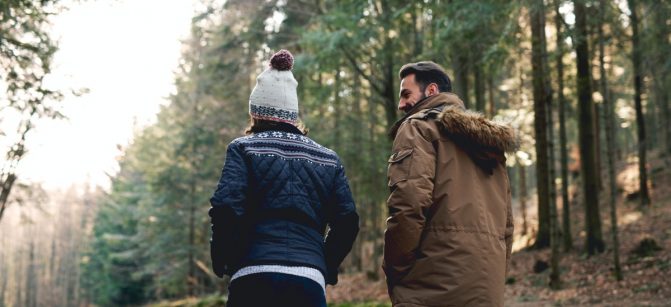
431	90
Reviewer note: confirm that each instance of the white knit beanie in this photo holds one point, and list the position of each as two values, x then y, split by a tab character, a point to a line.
274	96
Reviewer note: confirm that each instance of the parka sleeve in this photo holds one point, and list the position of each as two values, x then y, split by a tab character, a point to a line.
411	173
228	206
343	223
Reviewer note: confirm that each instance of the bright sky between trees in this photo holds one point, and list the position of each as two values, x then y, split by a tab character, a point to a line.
125	52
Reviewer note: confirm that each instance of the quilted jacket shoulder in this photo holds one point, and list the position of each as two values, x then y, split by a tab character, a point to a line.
281	190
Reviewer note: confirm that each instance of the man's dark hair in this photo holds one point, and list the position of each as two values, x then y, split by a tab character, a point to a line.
427	72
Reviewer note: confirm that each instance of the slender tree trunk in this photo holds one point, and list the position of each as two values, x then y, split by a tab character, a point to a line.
490	91
554	225
417	28
479	88
337	116
3	272
640	120
461	72
666	111
608	117
31	287
540	122
373	177
358	148
5	187
568	240
661	73
663	78
594	242
554	222
523	197
18	278
191	278
390	91
597	144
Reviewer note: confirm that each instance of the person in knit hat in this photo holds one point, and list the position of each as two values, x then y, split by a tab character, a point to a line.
278	192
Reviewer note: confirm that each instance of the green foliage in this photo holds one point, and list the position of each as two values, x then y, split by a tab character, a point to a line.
110	265
26	51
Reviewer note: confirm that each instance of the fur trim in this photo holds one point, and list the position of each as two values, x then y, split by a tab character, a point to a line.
474	128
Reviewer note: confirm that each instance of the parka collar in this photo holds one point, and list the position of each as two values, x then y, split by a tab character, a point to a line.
430	102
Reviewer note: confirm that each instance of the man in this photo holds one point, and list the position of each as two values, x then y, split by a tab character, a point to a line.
449	233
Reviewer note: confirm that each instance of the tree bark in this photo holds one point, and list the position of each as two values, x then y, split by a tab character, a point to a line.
594	242
552	201
661	73
479	88
540	122
337	116
5	188
608	118
566	215
640	120
461	72
490	91
523	197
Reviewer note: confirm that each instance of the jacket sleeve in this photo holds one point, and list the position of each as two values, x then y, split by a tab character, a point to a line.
226	212
410	172
343	222
509	231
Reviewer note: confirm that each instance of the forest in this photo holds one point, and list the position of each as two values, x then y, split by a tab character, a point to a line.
586	83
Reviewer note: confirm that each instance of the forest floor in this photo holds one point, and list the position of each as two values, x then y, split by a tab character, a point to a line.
585	280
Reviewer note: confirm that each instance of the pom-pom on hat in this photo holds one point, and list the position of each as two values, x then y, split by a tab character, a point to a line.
274	96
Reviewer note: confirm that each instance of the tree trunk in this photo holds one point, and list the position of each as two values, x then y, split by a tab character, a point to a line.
373	181
597	145
358	148
461	72
608	117
5	187
594	242
661	78
640	120
490	91
540	122
479	88
337	116
566	215
523	197
554	225
417	30
3	273
30	286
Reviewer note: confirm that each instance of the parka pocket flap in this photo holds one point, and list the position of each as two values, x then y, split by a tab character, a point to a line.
400	155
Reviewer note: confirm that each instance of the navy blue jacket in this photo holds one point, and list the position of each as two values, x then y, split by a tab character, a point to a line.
277	193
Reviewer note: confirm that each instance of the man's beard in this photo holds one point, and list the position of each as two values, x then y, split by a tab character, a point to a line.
408	108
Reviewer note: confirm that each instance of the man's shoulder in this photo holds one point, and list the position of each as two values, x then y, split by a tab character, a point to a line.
427	114
423	123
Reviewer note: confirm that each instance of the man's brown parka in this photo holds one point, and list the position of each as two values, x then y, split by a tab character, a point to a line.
449	233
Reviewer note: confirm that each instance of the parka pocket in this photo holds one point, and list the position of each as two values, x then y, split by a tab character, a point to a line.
399	166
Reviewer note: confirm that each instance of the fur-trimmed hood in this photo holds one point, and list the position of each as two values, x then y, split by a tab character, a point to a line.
485	141
466	125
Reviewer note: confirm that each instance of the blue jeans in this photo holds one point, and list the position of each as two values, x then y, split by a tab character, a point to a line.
275	289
